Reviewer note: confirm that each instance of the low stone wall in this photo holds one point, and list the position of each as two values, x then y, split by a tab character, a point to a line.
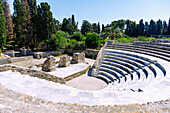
5	60
76	74
48	53
159	41
91	52
88	52
33	73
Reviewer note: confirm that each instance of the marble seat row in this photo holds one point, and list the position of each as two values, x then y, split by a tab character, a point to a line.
118	66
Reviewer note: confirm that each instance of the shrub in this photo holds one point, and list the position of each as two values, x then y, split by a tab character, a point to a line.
77	35
92	40
58	40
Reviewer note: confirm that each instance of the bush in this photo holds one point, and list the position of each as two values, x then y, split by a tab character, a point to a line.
58	40
77	35
92	40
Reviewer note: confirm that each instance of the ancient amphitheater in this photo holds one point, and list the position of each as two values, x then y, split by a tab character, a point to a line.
136	78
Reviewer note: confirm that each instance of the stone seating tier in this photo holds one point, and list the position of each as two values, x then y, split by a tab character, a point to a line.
153	48
143	64
116	70
132	68
129	62
112	72
141	58
144	51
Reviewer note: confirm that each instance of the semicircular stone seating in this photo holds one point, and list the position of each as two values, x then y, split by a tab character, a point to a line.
120	65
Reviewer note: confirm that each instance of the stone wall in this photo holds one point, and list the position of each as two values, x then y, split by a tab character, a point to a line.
88	52
33	73
5	60
48	53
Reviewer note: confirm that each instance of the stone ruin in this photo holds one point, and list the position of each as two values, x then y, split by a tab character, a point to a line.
64	61
78	57
49	64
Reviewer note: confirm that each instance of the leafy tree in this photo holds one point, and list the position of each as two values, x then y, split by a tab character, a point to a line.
8	20
92	40
86	27
77	35
58	25
58	41
2	27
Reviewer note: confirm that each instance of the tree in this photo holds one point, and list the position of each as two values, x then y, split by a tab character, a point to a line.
165	28
20	18
45	23
146	29
168	32
86	27
8	20
159	27
95	27
92	40
98	28
67	26
102	27
77	35
33	13
74	24
58	40
2	28
141	28
152	28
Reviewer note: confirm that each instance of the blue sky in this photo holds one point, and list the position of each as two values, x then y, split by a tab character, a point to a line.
105	11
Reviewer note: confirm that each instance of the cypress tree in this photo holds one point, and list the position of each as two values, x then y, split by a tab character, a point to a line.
165	28
168	32
2	28
159	27
141	28
8	20
98	28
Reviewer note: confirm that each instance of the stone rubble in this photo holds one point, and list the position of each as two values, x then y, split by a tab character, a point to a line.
49	65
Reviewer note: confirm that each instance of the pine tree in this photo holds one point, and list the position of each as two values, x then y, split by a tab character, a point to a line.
8	20
2	28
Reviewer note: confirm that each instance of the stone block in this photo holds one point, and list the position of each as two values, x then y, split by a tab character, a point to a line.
64	61
78	57
49	64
